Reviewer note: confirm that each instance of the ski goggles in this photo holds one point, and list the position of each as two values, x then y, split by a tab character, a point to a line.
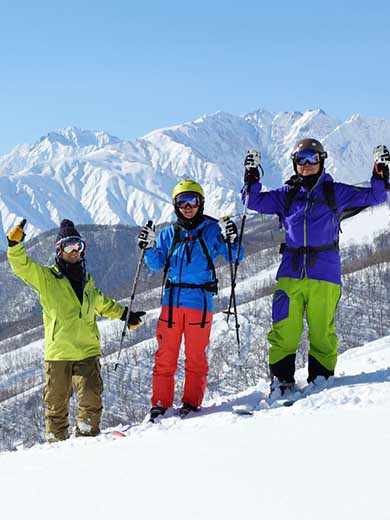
307	156
184	200
69	244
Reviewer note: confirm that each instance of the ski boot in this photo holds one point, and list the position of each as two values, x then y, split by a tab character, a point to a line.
279	388
186	408
156	412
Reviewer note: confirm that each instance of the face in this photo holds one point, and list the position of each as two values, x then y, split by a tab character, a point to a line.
307	161
188	212
72	258
308	169
71	249
188	204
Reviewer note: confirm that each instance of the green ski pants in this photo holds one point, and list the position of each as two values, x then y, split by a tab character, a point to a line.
60	378
293	298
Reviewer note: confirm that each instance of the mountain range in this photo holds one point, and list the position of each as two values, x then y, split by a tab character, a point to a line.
92	177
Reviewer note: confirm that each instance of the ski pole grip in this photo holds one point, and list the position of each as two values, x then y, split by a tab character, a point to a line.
22	223
150	226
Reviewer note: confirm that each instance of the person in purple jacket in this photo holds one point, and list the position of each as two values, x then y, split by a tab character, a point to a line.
309	276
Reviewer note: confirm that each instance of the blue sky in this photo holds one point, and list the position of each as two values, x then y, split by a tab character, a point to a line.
132	67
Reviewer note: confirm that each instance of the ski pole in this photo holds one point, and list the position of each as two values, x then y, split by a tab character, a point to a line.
233	292
236	263
132	295
254	162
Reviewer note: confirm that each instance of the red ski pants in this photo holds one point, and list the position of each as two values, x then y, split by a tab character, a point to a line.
185	322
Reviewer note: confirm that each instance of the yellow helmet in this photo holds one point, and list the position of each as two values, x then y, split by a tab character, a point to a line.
185	186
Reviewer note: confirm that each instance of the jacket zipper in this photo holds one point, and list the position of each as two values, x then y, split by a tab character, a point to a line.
304	273
304	236
54	328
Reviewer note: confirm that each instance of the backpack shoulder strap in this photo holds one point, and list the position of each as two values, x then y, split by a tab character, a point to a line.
329	190
175	241
330	196
210	263
290	196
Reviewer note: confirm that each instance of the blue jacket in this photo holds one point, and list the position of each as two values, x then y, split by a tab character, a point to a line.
188	263
309	222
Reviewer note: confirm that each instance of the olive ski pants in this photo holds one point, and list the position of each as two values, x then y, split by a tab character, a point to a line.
186	324
292	300
60	379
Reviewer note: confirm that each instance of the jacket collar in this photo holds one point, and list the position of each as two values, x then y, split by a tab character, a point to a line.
295	180
206	220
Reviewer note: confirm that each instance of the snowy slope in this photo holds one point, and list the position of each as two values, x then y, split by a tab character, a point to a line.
92	177
364	227
325	457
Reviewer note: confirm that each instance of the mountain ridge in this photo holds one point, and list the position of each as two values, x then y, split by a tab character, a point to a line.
93	177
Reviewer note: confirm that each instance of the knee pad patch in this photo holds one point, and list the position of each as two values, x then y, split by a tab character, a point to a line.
280	306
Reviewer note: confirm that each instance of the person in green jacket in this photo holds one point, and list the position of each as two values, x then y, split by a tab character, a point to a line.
70	302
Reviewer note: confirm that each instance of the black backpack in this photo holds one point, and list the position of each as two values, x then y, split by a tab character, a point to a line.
330	200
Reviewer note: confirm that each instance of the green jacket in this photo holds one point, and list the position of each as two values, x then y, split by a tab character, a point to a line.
71	332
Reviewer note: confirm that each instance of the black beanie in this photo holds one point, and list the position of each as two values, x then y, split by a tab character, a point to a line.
66	230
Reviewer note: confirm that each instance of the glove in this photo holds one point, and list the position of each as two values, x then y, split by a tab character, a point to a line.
16	234
251	176
381	163
229	230
134	319
147	236
252	163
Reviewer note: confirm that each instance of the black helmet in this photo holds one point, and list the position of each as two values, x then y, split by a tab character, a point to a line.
309	144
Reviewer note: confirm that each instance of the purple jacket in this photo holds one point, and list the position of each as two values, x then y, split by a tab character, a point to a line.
310	223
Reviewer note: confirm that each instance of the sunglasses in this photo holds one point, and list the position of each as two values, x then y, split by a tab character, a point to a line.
69	244
307	156
184	200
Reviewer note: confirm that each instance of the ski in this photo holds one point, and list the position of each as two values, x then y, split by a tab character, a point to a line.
307	391
243	410
291	402
118	433
298	394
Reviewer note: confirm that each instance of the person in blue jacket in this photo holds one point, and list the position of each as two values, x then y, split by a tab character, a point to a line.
309	276
186	250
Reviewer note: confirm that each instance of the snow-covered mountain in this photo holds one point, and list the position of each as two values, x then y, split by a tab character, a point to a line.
325	457
95	178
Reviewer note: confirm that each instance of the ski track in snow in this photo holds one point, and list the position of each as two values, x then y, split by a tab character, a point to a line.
325	457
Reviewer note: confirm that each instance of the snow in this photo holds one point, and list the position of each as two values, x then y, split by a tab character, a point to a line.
364	227
95	178
325	457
